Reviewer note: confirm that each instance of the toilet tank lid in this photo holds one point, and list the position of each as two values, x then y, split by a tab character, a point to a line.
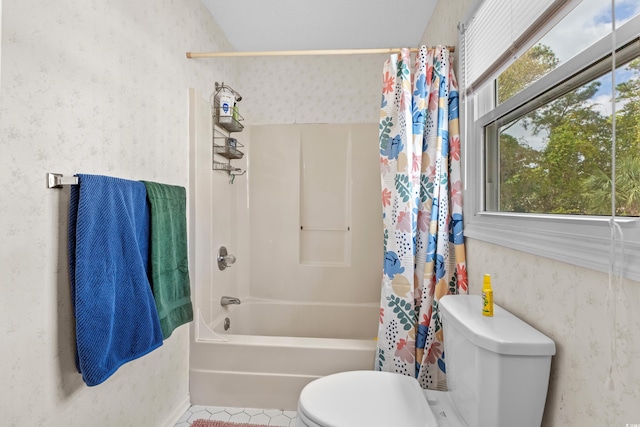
503	333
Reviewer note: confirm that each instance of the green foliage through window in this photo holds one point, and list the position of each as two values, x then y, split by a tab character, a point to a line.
557	159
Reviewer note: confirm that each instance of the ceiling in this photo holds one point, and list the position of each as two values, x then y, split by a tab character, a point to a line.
262	25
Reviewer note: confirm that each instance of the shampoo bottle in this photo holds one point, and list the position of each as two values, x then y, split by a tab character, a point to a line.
224	100
487	296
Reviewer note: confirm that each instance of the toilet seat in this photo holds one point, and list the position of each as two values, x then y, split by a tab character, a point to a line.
364	398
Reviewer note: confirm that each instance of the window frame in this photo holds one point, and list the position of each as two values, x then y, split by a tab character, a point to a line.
579	240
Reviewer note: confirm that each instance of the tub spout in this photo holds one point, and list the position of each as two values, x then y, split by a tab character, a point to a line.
224	301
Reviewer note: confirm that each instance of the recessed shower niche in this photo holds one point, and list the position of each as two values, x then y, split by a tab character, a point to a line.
325	194
315	196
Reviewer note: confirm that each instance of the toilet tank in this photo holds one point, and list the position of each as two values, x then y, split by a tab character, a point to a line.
497	367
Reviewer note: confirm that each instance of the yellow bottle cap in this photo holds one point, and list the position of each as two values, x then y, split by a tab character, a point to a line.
486	283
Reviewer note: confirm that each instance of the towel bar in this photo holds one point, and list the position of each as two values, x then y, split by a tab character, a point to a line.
57	180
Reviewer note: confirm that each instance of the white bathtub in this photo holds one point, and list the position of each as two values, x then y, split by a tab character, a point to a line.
273	349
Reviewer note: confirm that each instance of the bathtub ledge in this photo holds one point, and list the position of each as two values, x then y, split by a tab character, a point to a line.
204	332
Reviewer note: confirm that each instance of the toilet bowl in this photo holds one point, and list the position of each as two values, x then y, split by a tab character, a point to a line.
373	399
497	376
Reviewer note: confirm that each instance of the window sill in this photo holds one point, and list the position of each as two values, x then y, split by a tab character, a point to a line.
583	241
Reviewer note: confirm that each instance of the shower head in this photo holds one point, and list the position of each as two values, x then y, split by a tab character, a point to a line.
235	94
220	86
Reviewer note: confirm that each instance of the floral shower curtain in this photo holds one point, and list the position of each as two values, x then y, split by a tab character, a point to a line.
424	256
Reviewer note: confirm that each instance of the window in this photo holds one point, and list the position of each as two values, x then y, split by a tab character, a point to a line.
557	158
539	139
577	31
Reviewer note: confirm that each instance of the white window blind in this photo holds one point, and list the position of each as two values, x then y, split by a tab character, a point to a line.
497	29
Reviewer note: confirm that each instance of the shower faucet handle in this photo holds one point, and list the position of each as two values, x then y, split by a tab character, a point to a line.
225	259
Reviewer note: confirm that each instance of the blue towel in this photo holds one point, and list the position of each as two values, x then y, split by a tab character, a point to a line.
116	316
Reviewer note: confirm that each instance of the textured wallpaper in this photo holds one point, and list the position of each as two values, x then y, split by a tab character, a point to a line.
97	87
314	89
569	304
443	27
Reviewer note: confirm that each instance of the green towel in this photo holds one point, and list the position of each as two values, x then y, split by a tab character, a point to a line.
169	256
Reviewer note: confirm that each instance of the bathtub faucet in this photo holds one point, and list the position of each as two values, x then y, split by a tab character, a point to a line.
224	301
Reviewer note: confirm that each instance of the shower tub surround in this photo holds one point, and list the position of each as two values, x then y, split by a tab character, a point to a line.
274	348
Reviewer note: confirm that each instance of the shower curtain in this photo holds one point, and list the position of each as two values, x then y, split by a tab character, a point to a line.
424	256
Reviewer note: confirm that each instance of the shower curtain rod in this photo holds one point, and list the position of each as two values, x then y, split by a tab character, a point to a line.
301	52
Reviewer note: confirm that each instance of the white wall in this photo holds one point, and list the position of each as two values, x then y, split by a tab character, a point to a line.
309	90
93	87
348	266
566	302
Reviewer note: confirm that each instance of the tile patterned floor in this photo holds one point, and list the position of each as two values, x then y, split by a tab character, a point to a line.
271	417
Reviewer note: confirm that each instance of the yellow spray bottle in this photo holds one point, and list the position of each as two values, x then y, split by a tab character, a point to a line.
487	296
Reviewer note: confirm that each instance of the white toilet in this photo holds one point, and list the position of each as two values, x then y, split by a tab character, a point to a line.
497	375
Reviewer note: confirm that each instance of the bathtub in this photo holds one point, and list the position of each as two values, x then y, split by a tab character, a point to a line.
272	349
